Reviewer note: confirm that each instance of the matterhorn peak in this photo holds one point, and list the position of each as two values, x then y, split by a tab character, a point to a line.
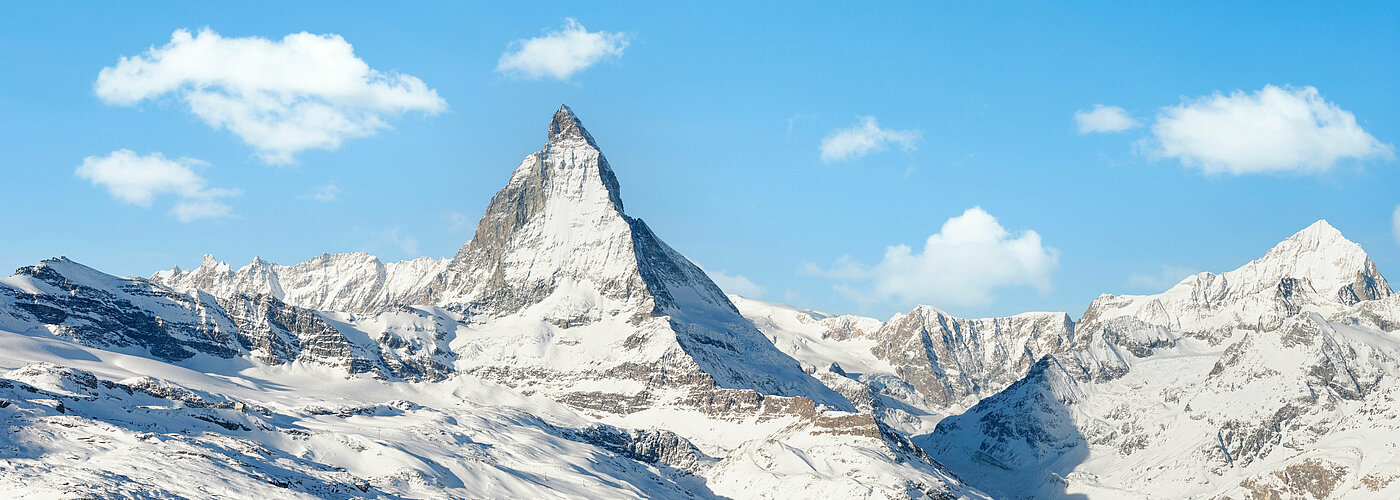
565	126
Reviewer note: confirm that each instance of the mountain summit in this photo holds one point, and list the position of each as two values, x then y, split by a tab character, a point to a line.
600	294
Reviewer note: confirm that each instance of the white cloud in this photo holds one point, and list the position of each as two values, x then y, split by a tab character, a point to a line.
1103	119
962	265
281	97
1166	278
864	138
139	180
560	54
192	209
327	193
1275	129
737	284
1395	224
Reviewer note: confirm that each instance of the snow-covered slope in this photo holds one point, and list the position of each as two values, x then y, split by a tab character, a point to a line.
1274	380
88	423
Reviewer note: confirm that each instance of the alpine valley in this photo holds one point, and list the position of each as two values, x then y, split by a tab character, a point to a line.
567	352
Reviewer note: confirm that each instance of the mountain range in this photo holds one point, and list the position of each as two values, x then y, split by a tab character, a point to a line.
566	351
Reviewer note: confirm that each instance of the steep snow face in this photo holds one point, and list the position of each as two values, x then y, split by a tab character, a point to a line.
1277	379
349	282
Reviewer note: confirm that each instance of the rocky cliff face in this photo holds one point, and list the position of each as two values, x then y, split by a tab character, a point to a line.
954	362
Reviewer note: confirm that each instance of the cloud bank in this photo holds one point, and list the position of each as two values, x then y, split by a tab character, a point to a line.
864	138
962	265
281	97
139	180
560	54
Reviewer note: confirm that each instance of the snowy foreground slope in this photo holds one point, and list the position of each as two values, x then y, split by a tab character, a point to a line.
567	352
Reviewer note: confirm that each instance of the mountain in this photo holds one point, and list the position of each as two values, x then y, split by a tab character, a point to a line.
1273	380
566	351
918	367
349	282
563	287
62	298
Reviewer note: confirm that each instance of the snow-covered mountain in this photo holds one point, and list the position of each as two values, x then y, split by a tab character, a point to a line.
349	282
1275	380
566	351
918	367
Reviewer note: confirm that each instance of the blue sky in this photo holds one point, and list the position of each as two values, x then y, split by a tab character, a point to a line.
714	118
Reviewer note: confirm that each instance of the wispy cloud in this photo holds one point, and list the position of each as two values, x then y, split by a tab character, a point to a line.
325	194
397	239
1395	224
737	284
864	138
139	180
1276	129
1166	277
1103	119
562	53
962	265
281	97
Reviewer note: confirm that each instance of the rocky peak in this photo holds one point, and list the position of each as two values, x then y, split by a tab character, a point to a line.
560	221
566	127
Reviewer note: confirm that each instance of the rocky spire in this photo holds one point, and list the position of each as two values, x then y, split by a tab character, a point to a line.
565	126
